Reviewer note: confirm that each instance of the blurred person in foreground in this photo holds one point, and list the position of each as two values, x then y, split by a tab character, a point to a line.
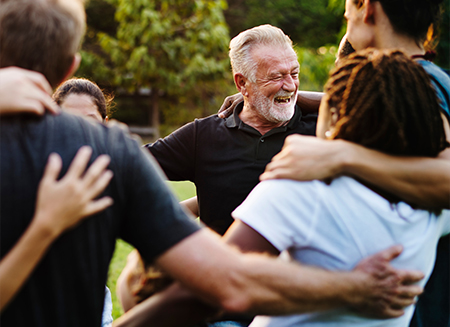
334	225
67	286
425	182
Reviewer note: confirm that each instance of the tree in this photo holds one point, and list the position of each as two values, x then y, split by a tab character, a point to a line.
165	47
309	24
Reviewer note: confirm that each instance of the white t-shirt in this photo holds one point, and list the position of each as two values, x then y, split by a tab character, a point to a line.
335	226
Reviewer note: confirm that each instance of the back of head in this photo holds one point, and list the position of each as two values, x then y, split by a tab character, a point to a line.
242	45
41	35
415	18
385	101
83	86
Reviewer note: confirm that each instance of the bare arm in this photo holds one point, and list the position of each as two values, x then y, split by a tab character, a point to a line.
257	284
309	102
24	91
60	205
421	181
191	205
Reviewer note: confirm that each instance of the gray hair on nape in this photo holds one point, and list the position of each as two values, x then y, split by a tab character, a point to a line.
242	45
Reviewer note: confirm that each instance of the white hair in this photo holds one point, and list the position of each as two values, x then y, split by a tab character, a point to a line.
241	48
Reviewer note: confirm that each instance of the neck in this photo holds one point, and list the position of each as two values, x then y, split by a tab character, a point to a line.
387	38
253	118
408	46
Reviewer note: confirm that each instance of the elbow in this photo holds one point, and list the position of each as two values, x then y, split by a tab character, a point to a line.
238	304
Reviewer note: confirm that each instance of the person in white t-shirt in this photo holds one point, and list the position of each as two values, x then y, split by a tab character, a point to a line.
382	100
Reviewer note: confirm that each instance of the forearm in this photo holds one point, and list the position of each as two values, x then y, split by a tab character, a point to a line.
191	205
421	181
175	306
21	260
254	284
308	101
277	288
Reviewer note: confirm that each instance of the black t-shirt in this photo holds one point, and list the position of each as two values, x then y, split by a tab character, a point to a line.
67	287
224	158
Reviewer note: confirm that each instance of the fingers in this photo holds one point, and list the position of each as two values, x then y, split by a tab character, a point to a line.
393	313
38	101
409	293
53	168
98	205
96	170
225	105
226	112
279	173
408	277
229	104
99	185
39	80
79	163
390	253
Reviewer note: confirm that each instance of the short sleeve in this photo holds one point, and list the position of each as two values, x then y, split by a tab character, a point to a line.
282	211
152	219
176	153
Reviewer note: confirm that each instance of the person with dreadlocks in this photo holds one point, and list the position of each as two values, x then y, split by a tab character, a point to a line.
334	226
381	100
409	25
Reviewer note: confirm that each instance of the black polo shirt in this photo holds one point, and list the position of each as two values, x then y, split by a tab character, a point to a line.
224	159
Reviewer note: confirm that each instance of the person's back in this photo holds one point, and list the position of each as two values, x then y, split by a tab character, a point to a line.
67	288
333	226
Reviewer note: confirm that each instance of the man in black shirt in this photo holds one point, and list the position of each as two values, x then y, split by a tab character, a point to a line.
224	157
67	287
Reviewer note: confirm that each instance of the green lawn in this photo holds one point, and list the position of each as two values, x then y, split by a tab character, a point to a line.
183	190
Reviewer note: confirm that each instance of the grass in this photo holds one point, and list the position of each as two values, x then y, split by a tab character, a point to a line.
183	190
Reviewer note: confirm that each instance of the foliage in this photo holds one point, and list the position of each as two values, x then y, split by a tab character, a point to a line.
443	47
308	23
315	66
163	48
167	43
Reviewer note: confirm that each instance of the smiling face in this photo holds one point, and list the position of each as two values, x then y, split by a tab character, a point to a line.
274	92
82	105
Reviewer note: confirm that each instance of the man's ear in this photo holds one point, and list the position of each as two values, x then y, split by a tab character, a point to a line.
73	67
241	83
369	14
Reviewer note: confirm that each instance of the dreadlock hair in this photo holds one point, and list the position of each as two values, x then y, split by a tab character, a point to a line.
385	101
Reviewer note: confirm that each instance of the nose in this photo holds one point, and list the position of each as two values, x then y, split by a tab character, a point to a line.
289	84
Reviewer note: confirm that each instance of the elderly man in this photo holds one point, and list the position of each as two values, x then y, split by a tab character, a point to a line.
224	158
67	287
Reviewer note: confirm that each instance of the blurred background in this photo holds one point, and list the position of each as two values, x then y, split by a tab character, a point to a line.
166	61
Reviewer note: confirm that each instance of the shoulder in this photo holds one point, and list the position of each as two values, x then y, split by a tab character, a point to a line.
287	193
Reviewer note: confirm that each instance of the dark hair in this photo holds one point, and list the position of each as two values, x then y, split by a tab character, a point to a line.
84	86
385	101
418	19
345	50
41	35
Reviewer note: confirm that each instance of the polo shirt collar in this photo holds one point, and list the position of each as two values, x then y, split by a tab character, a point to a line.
234	120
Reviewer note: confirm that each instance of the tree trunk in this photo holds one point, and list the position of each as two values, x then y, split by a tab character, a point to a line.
153	115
